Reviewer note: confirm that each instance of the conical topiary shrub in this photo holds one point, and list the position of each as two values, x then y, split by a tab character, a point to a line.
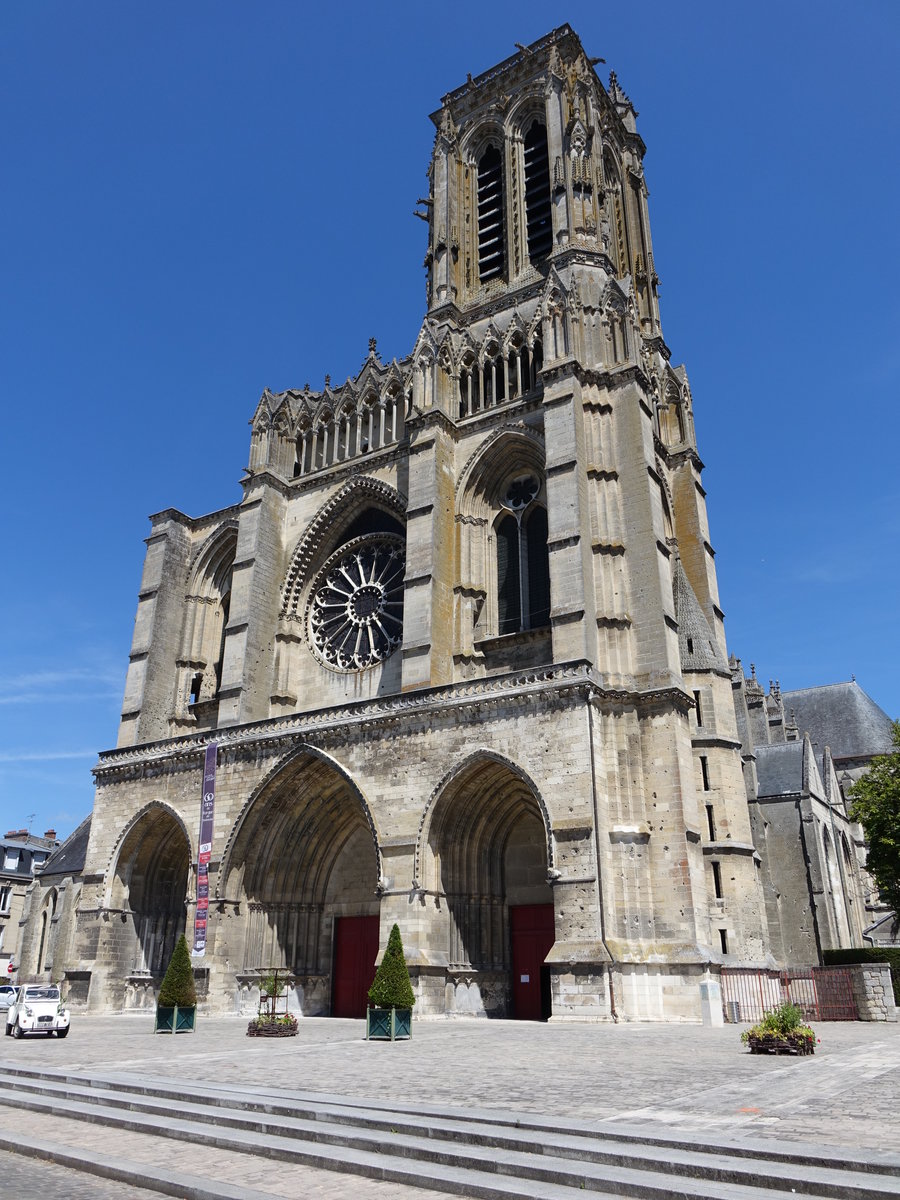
177	1000
391	994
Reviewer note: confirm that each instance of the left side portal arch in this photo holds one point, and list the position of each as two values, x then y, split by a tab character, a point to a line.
303	866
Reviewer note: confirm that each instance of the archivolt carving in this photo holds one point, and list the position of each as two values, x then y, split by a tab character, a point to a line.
354	494
112	862
507	449
486	757
282	767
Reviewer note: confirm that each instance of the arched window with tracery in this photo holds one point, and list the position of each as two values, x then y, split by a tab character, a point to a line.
523	565
491	233
538	213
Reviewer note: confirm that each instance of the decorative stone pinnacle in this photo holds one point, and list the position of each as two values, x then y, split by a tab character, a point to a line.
373	346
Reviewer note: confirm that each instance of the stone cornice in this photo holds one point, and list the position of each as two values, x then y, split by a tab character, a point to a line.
559	682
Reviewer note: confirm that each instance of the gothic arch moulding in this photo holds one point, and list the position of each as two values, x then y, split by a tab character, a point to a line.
508	451
213	559
335	514
291	764
498	764
153	808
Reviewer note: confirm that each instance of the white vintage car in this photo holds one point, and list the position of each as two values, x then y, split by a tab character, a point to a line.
37	1009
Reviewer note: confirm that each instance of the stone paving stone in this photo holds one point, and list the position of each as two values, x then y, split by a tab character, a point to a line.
245	1170
28	1178
685	1077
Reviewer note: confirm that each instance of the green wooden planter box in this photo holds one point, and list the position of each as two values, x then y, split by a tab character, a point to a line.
175	1020
388	1024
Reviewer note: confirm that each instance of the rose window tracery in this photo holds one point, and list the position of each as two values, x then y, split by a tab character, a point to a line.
356	604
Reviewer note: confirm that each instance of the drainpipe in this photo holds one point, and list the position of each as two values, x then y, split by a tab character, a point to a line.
612	999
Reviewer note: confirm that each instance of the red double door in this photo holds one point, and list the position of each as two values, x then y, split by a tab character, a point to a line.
531	936
355	952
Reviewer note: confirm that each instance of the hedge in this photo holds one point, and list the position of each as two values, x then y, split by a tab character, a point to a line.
866	954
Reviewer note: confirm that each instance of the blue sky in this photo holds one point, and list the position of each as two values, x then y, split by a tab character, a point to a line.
204	199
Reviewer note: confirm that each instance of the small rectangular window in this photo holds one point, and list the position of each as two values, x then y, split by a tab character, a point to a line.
704	769
711	822
717	879
723	938
690	643
697	708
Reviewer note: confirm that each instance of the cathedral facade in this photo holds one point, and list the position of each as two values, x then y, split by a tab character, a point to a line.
459	647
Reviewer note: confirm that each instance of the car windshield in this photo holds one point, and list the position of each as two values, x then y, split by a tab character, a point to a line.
42	993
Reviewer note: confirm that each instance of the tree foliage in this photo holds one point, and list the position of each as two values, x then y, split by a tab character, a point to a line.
876	805
178	982
391	987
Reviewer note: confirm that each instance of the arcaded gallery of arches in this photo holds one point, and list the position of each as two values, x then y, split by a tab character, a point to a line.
458	646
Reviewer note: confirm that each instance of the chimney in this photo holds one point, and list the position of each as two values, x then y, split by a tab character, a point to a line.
51	834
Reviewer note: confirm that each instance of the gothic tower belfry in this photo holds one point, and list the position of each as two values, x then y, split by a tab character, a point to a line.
459	643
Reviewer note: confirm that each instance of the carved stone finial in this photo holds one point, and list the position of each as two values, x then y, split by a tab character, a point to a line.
328	381
373	346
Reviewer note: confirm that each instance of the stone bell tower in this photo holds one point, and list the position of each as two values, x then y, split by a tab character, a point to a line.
543	334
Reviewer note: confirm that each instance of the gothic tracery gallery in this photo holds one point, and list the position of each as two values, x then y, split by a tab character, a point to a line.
460	644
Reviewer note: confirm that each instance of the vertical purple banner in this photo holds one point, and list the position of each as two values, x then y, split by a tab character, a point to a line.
207	814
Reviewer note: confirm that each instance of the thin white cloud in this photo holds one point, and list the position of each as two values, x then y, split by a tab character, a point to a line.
47	686
15	756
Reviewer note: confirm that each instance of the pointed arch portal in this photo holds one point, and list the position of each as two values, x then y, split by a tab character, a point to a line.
487	862
304	861
151	884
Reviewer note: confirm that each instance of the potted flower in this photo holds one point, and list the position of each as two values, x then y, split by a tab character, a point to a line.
391	997
782	1031
269	1021
176	1005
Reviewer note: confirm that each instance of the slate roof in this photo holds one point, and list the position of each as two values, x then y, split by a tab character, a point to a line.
779	768
69	858
698	647
842	716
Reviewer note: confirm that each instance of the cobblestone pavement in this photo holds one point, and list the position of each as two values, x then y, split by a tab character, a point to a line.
29	1179
688	1078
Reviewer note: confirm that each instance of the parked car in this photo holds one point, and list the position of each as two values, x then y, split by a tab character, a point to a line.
37	1008
7	995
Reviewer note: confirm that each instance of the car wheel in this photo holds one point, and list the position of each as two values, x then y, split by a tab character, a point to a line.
17	1030
62	1032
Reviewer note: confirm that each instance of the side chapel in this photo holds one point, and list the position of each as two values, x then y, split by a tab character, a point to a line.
459	644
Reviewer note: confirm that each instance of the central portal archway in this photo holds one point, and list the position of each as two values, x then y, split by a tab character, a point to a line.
487	859
305	862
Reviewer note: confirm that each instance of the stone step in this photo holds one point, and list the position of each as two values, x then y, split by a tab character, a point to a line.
584	1161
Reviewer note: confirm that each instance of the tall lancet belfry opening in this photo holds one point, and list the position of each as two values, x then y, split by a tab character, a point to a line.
459	643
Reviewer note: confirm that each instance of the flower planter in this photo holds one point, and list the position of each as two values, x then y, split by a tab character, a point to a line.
787	1044
388	1024
175	1019
277	1028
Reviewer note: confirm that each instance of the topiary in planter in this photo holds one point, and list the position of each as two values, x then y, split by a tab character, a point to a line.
391	995
176	1004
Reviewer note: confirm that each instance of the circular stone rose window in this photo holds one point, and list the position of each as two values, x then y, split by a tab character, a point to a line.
356	604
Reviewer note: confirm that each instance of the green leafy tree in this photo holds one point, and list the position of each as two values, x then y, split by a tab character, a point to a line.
178	982
876	805
391	987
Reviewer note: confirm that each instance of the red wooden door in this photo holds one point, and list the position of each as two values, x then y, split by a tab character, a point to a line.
355	952
532	936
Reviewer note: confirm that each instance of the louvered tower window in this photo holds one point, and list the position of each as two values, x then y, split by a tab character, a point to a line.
537	193
490	215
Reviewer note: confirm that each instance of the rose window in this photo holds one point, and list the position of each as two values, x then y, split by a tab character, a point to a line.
356	605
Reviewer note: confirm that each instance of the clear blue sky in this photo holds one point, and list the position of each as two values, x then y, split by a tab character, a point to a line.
200	200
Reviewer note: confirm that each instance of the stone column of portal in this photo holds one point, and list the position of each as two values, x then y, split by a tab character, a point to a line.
573	604
428	597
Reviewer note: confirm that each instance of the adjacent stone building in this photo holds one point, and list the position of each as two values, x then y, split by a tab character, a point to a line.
22	854
459	645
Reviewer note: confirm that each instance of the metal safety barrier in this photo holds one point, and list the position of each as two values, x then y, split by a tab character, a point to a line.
821	993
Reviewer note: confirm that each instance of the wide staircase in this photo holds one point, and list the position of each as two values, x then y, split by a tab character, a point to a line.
472	1152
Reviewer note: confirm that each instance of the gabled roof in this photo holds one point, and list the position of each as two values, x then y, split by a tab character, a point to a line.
69	858
842	716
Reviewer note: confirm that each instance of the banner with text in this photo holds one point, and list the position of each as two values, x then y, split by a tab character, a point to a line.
207	813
